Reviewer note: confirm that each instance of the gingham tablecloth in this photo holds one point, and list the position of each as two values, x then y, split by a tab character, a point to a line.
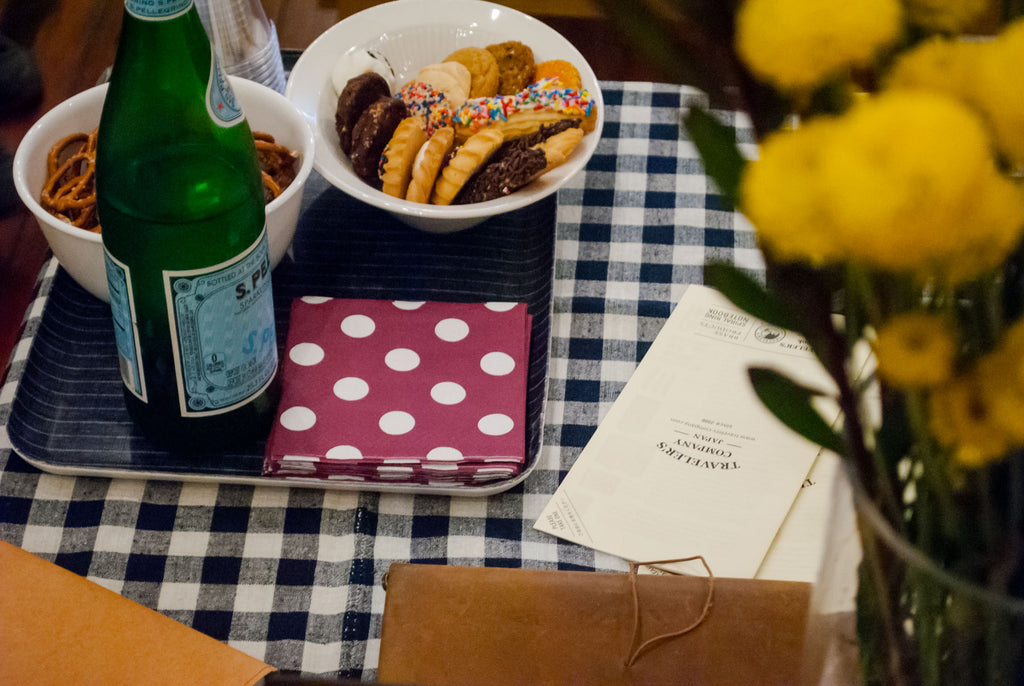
292	575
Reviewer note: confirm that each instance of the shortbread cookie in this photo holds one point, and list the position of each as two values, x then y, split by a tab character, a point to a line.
483	70
356	96
428	163
371	133
515	66
499	179
450	77
399	154
558	147
470	157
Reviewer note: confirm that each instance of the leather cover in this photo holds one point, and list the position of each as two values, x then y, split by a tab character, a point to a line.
60	628
471	625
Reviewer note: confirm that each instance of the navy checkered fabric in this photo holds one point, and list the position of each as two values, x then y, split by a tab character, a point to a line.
292	575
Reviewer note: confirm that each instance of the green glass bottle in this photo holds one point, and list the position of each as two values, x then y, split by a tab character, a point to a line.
180	199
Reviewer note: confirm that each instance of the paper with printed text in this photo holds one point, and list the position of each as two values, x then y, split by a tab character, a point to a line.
689	462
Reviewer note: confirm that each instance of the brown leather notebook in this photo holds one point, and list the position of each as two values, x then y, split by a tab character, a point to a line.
471	625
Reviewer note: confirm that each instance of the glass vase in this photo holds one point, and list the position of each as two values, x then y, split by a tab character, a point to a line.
882	612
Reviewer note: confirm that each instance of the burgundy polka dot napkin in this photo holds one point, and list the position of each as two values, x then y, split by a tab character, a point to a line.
402	392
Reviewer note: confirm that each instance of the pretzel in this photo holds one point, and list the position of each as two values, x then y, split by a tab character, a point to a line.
277	163
69	192
70	189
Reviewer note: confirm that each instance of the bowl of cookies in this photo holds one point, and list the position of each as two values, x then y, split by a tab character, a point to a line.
447	114
53	170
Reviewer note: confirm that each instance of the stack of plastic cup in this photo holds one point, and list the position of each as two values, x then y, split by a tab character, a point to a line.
245	40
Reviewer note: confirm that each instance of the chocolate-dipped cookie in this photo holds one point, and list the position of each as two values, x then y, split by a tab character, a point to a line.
520	143
371	133
358	94
497	179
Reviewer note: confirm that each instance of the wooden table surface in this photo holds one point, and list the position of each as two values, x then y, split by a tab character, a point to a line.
75	40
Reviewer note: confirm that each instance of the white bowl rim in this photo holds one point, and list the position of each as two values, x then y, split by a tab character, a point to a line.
29	141
370	18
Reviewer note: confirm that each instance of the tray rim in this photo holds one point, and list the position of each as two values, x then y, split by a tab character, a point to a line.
12	385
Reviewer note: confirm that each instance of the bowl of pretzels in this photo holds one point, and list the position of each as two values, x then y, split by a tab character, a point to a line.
53	169
447	114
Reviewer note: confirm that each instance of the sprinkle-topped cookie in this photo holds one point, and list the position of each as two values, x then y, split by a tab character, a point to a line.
423	100
479	112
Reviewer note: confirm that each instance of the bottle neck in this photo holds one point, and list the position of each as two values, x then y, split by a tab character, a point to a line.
148	10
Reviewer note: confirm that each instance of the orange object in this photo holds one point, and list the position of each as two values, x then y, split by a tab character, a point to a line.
59	628
567	74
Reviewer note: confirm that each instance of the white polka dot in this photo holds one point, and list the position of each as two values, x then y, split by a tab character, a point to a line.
306	354
451	330
495	424
351	388
402	359
445	454
500	307
344	452
396	422
448	393
315	299
298	418
497	364
408	304
357	326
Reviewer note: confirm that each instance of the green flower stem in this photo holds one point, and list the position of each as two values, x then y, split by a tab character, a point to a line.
934	462
878	603
983	314
859	297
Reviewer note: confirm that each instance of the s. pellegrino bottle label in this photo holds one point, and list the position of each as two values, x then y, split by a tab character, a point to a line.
157	9
126	330
221	102
217	368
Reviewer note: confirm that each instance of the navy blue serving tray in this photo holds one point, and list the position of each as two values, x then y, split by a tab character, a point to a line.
68	414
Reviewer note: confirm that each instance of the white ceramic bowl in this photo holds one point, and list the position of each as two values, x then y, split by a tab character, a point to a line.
412	34
80	252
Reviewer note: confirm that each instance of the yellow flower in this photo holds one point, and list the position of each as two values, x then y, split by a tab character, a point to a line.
779	193
887	185
961	419
1002	376
904	180
938	64
916	350
797	44
950	16
997	89
985	75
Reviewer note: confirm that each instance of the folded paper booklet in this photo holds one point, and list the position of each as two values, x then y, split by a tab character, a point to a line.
470	625
687	459
59	628
393	391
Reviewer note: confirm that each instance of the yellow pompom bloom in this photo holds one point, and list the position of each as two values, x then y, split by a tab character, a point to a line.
904	180
997	89
916	350
1002	378
797	44
948	16
985	75
961	419
938	64
780	196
